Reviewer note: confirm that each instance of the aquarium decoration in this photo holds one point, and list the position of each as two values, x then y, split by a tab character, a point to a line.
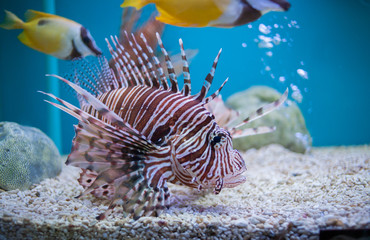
27	156
291	131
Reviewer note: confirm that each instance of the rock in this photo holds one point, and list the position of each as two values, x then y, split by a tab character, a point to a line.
291	131
27	156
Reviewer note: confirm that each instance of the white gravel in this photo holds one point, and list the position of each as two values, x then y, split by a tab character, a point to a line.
287	195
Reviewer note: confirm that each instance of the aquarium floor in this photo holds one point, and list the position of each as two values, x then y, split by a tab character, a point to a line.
287	195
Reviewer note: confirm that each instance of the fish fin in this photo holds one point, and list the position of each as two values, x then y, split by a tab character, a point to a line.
32	15
208	81
116	158
135	3
169	19
224	115
215	94
118	172
11	21
94	75
170	69
186	90
25	40
251	131
263	110
179	63
109	115
87	178
156	62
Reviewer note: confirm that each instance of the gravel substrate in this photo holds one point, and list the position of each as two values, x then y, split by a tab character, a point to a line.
287	195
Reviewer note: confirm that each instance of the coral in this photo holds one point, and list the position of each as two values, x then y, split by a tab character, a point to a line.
27	156
291	131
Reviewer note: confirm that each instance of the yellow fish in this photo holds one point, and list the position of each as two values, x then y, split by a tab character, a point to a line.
215	13
51	34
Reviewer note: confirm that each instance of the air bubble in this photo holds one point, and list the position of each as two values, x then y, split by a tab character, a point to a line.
302	73
264	29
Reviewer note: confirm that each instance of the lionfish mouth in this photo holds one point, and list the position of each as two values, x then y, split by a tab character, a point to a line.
236	178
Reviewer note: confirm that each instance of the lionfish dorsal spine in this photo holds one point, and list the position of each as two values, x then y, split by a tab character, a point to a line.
154	80
123	64
123	76
186	90
156	63
170	69
132	62
137	78
215	94
208	81
138	52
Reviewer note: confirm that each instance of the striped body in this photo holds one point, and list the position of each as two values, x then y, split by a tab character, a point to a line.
137	131
160	115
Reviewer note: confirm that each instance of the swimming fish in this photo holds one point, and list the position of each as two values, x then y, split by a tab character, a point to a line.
137	132
52	34
215	13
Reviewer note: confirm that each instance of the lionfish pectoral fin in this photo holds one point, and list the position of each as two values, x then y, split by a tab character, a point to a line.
263	110
114	161
87	178
114	119
119	164
182	174
219	185
239	133
121	176
138	196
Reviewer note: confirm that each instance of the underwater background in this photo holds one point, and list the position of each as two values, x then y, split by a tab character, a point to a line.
328	40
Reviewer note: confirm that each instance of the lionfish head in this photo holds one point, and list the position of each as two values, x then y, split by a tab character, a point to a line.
228	165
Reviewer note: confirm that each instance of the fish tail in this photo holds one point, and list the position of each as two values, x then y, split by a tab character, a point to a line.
11	21
135	3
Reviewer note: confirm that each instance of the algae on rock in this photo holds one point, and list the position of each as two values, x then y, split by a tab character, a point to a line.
291	131
27	156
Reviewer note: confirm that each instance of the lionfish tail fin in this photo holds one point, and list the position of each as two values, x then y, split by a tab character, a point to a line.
263	110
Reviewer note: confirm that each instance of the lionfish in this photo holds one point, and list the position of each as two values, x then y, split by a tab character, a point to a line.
137	131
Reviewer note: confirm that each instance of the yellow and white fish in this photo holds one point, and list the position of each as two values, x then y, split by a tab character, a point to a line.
215	13
52	34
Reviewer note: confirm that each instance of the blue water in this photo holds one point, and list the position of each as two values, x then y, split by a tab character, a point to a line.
331	44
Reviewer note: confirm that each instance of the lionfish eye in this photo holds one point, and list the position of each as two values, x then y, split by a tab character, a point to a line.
216	139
